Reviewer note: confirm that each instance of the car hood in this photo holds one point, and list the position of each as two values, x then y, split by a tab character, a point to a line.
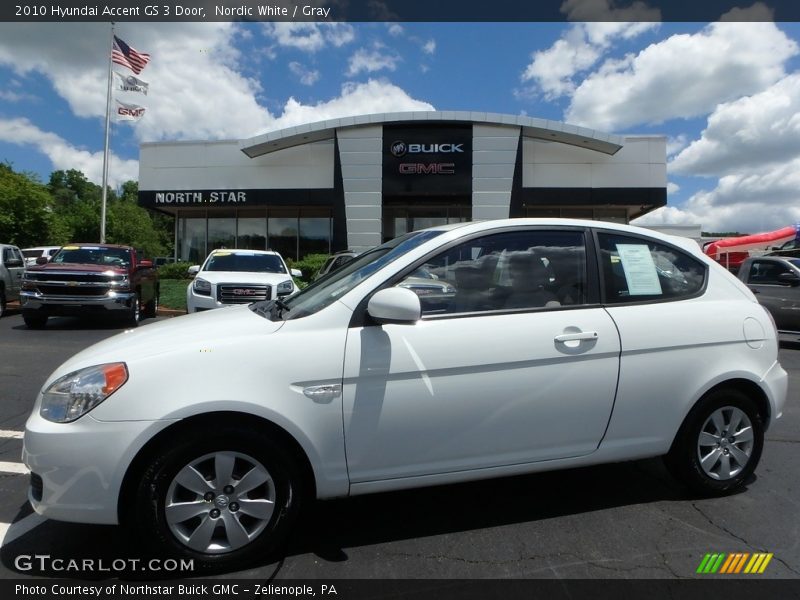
243	277
71	267
179	334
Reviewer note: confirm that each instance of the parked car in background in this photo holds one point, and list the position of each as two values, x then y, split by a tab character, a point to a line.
12	266
790	248
90	279
339	259
32	254
568	344
775	280
229	277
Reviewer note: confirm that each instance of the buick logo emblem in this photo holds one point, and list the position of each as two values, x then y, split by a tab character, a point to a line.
398	149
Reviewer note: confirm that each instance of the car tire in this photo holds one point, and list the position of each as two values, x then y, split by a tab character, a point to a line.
707	455
179	492
151	308
34	320
134	314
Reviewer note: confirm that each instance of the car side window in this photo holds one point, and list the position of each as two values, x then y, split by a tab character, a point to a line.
766	272
506	271
637	269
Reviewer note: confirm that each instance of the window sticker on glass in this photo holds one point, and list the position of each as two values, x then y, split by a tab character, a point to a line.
640	270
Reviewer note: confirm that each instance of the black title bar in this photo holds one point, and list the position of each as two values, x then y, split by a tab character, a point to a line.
398	10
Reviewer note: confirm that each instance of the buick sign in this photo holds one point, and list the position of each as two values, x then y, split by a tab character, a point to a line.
400	148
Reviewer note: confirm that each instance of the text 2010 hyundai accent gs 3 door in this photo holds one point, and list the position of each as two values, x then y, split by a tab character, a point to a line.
559	344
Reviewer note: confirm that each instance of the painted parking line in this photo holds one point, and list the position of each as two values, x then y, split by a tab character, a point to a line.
13	467
11	531
9	434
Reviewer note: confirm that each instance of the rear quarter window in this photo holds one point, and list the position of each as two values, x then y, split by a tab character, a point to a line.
639	269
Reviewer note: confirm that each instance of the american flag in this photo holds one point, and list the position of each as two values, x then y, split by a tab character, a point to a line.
124	55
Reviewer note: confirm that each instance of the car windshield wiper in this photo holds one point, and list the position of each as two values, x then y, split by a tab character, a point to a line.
282	306
270	309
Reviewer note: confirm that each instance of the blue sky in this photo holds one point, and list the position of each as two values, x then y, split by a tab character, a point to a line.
725	94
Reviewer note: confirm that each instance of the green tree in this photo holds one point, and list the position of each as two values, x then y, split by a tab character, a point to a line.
25	209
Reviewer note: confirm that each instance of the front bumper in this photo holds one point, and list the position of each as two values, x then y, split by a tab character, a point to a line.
69	305
81	465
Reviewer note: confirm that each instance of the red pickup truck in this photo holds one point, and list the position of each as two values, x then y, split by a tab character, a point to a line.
83	279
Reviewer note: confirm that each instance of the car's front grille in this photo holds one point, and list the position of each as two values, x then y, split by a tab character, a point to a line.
66	290
63	276
37	487
233	293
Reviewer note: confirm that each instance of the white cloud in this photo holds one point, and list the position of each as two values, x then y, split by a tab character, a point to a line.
754	130
429	47
374	96
580	47
672	188
310	37
370	61
683	76
395	29
676	143
196	90
64	155
305	75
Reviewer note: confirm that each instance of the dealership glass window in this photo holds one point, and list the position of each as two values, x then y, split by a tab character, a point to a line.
192	239
400	219
222	230
315	232
251	229
615	215
282	232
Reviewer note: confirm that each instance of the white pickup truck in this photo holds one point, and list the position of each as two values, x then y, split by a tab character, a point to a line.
12	265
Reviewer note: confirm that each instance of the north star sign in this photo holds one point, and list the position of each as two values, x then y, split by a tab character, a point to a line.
215	197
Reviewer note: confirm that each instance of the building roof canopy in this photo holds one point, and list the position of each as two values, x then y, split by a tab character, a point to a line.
554	131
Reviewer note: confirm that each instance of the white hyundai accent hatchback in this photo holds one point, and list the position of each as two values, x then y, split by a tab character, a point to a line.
563	344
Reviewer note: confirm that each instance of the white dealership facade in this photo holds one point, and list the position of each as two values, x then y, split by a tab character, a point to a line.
357	181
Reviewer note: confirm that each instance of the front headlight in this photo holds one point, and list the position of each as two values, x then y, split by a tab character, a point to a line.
120	282
202	287
73	395
285	287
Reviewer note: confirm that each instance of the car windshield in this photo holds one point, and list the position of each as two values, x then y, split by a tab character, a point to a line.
31	253
244	261
331	287
795	262
93	255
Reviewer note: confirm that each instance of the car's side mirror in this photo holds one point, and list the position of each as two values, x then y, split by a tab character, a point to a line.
193	270
395	305
789	279
145	264
296	273
42	260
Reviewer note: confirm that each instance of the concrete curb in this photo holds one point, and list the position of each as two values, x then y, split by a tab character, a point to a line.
169	312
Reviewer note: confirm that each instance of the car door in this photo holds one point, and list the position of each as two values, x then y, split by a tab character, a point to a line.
15	264
507	374
780	298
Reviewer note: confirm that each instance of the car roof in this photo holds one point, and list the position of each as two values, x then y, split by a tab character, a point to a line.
242	251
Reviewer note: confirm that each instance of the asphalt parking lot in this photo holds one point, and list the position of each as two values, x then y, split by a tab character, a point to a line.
626	520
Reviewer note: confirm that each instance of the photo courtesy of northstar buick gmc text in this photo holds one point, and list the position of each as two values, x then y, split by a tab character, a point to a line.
466	351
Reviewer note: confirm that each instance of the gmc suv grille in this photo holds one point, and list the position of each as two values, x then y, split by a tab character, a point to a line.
232	293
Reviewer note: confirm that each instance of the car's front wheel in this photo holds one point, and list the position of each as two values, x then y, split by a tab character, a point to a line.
221	498
719	444
33	319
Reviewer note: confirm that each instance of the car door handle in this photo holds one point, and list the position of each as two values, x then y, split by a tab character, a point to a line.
576	337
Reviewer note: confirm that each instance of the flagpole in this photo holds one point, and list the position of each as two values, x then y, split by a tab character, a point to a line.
105	145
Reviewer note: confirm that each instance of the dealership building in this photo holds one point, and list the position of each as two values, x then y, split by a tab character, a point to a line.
354	182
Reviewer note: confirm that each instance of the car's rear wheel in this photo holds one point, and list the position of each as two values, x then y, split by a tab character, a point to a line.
151	308
219	498
719	444
33	319
134	312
